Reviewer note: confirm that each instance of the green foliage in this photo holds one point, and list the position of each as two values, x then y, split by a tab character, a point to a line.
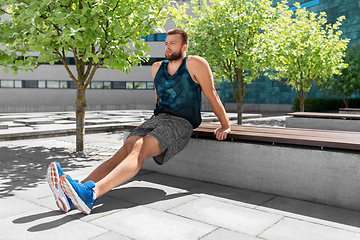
324	104
307	50
348	81
229	34
102	33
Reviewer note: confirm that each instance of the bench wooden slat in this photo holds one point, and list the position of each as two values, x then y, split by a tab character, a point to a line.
285	136
292	136
292	131
324	115
285	139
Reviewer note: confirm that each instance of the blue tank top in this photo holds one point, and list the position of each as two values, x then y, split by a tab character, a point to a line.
178	94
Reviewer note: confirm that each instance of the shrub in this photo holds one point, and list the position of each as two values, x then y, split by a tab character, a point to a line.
324	104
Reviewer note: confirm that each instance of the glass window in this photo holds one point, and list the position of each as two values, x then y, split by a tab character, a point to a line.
30	84
161	36
7	83
150	38
73	84
18	83
42	84
97	84
150	85
52	84
140	85
129	85
107	85
120	85
63	84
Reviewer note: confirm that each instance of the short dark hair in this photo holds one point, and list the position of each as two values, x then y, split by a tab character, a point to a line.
184	35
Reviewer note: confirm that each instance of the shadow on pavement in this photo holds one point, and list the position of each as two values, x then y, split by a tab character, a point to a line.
23	167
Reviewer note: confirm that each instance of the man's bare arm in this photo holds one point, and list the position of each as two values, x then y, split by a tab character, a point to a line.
200	70
154	69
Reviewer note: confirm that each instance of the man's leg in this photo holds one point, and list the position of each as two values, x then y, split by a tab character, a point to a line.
84	195
143	148
106	167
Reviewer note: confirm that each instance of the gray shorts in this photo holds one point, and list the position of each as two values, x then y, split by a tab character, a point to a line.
173	134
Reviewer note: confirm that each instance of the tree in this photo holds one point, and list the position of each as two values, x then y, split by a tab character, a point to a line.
229	35
98	33
307	50
348	81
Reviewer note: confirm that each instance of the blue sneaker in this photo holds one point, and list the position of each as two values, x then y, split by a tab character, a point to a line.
82	194
53	178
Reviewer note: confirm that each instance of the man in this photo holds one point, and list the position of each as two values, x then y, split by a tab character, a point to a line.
178	81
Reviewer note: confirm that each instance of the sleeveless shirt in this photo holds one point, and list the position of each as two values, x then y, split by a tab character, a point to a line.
178	94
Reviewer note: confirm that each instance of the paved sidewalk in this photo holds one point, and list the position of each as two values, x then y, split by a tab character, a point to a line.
150	206
19	126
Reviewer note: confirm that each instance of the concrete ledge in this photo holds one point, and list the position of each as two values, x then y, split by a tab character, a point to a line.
67	130
323	124
259	107
326	177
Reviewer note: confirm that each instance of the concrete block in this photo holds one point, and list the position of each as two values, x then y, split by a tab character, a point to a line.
323	124
236	218
327	177
293	229
172	226
349	112
35	121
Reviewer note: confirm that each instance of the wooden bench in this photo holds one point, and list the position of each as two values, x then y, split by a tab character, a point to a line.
288	136
324	121
313	165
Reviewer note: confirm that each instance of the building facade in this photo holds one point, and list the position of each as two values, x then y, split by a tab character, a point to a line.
274	94
49	88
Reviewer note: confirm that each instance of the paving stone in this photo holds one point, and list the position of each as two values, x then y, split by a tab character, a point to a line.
231	195
35	121
142	223
87	116
227	235
103	208
111	236
233	217
11	117
11	124
170	181
43	223
64	122
293	229
111	120
10	206
313	212
155	196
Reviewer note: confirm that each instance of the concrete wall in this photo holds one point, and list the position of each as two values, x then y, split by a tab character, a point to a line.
326	177
323	124
258	107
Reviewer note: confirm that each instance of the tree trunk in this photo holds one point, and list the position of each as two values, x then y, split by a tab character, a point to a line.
80	118
240	112
346	100
302	101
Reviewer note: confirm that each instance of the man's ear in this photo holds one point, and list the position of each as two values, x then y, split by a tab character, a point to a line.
185	47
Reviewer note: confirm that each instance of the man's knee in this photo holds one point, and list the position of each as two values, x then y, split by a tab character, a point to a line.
131	142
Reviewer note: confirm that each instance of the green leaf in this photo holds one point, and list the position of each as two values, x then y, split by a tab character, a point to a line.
6	70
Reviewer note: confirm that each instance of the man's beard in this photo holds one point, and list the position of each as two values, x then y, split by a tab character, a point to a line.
173	56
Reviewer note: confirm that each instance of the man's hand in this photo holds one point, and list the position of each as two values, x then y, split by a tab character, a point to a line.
221	133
